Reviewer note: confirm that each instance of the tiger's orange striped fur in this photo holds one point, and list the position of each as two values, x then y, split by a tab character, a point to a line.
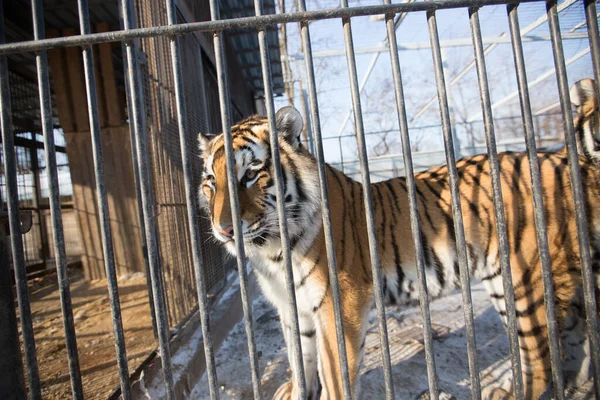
319	343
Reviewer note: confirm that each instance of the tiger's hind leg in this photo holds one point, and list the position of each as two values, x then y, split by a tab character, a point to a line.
531	322
575	346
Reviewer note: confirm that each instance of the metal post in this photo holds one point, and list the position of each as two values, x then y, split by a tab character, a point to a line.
589	281
136	179
307	123
137	117
368	200
325	206
37	196
12	383
413	211
12	196
190	198
594	37
225	105
539	216
461	247
286	249
103	212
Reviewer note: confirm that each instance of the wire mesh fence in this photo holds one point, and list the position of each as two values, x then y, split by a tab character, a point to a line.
165	115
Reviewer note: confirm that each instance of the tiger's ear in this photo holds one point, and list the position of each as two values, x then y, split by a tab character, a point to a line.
289	125
204	140
583	96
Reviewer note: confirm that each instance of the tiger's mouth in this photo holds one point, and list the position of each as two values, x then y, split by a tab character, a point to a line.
254	237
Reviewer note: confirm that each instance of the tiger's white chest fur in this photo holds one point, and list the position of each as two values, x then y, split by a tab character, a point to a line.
270	270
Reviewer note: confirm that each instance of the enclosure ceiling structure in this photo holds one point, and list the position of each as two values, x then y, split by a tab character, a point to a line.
491	41
62	14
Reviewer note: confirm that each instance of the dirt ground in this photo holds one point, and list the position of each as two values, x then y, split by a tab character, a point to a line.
93	322
406	348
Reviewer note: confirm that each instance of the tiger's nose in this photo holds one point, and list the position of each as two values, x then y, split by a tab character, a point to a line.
225	230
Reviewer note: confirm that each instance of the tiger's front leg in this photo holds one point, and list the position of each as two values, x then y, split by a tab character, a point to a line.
290	389
354	310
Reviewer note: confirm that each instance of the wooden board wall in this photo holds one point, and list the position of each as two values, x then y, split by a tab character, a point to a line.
69	88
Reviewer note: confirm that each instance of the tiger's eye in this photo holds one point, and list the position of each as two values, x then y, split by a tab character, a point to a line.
250	174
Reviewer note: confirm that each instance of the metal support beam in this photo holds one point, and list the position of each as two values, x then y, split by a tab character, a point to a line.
12	382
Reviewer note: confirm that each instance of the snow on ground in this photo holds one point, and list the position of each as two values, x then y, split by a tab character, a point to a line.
406	347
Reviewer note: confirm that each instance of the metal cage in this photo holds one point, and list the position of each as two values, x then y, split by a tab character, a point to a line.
169	33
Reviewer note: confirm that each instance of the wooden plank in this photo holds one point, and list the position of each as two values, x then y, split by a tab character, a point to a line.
100	89
60	84
115	113
78	96
89	192
79	204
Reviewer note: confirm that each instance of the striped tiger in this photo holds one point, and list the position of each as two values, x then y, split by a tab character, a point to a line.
259	222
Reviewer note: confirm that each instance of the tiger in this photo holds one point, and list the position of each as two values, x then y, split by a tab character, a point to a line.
262	242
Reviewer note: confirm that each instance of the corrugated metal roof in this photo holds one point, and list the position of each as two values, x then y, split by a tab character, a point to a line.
245	43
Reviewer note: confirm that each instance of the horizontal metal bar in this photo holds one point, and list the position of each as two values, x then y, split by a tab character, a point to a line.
246	22
23	142
465	42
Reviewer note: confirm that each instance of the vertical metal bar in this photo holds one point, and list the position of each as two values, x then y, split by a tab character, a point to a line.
103	212
592	27
461	249
138	119
539	216
325	206
12	202
192	210
224	104
36	198
12	382
309	132
412	202
136	178
578	198
281	212
517	46
368	200
41	60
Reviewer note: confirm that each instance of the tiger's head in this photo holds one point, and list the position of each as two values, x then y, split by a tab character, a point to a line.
256	182
587	121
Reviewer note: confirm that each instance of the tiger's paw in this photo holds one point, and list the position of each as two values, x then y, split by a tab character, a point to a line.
284	392
496	393
425	395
